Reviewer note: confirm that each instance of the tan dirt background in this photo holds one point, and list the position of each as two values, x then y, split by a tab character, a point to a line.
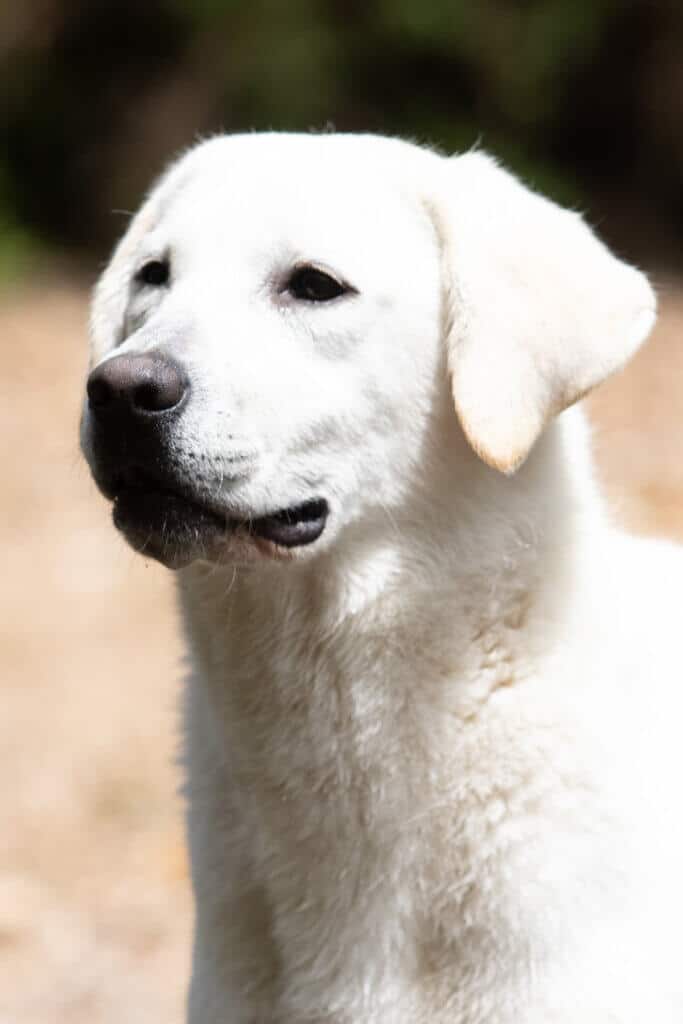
95	912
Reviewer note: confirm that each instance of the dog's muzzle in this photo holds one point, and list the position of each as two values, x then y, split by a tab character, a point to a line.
134	402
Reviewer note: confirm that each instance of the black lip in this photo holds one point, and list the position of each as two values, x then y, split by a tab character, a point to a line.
293	527
162	515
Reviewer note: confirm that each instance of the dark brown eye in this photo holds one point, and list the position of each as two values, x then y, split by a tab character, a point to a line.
313	285
155	273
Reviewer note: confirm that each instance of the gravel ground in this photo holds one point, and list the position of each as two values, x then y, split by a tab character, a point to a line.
95	913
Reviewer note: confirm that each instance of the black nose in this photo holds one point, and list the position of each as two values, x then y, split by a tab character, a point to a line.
136	386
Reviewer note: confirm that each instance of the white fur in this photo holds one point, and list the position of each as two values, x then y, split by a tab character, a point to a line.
432	759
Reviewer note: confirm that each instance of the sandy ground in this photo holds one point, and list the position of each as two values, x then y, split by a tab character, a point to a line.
95	914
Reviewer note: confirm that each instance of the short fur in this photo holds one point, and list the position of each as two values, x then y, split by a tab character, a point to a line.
433	759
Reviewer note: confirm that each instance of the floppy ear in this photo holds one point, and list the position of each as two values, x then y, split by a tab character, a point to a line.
539	311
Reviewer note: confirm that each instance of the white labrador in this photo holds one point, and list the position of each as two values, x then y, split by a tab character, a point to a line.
433	748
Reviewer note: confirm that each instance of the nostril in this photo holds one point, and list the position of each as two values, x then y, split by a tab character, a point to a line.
161	388
99	391
147	397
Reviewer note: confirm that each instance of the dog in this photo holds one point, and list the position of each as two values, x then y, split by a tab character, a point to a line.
432	735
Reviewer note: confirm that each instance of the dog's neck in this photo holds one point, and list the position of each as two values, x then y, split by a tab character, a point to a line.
464	589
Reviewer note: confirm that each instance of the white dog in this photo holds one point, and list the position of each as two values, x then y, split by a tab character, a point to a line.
433	745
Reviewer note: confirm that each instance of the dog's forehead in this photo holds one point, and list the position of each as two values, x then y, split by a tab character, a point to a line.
301	189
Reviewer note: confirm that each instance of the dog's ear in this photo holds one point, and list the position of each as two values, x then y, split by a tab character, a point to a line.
538	310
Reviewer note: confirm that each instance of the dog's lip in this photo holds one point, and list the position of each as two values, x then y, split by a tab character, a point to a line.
290	526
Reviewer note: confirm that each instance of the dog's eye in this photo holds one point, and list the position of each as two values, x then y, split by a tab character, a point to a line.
314	285
155	273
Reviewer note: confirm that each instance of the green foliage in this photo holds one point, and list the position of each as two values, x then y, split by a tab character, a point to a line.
20	249
96	98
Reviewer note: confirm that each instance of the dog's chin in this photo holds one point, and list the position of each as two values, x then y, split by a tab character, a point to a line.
168	527
177	530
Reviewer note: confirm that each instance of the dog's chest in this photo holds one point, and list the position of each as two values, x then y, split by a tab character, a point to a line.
379	822
402	845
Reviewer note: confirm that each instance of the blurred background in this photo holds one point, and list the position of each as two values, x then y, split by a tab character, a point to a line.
584	98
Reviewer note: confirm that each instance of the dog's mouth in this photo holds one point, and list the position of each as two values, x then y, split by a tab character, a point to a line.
292	527
176	527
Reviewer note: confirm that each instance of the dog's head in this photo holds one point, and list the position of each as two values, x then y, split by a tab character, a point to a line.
275	334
